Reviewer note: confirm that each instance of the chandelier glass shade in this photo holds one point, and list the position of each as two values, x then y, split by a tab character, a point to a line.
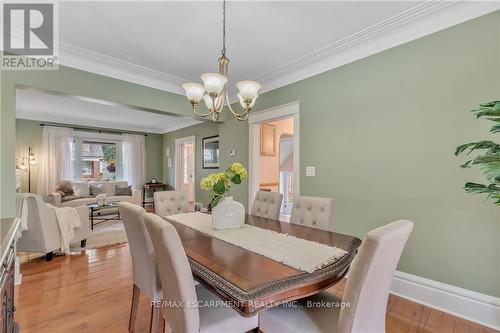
214	90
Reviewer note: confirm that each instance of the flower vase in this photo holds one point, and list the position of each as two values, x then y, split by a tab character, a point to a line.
228	214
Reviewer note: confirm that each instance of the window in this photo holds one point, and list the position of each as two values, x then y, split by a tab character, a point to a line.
99	161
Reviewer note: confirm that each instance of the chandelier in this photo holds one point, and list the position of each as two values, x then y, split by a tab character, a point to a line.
215	86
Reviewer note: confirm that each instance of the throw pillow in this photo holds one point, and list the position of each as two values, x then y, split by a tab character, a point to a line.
123	190
81	189
95	190
64	187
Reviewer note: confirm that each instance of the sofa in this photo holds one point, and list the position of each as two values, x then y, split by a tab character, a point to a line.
43	233
82	195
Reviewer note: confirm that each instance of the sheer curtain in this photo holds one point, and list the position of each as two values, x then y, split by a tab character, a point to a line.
55	160
134	160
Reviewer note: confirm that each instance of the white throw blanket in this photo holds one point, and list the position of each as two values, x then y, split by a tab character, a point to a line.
68	220
298	253
22	211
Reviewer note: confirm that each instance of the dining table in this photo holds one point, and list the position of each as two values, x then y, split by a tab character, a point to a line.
250	282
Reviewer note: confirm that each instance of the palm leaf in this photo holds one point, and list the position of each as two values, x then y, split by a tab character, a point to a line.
494	148
495	128
491	109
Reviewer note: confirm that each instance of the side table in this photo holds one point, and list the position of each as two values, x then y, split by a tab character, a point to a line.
151	187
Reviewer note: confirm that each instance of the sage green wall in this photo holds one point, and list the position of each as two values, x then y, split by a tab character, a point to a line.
73	82
382	131
29	133
153	156
200	131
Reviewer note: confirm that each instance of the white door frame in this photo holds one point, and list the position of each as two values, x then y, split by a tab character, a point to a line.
179	141
282	111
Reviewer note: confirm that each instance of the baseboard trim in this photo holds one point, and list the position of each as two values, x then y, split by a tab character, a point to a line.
470	305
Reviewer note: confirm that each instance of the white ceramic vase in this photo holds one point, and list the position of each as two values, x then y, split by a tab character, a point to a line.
228	214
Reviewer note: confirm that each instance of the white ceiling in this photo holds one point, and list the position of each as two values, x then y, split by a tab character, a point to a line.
165	43
41	106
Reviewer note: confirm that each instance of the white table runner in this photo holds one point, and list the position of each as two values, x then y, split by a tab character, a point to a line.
298	253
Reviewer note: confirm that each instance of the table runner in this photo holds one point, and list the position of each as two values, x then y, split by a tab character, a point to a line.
298	253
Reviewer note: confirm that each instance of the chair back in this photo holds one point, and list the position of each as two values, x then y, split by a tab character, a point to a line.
370	276
312	212
144	269
170	202
175	274
267	204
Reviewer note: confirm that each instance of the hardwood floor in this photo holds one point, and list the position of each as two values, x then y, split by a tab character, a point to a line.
91	292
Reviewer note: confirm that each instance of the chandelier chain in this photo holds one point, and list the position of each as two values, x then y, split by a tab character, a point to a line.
223	28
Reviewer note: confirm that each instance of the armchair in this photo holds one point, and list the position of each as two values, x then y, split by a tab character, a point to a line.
43	233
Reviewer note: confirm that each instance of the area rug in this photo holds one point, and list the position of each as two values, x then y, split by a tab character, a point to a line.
107	234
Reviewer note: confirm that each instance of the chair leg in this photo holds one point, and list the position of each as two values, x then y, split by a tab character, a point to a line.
49	256
136	293
155	319
83	243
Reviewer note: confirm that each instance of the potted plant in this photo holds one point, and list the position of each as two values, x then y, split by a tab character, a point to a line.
226	213
489	160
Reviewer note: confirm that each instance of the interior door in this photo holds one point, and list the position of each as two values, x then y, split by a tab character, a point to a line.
185	169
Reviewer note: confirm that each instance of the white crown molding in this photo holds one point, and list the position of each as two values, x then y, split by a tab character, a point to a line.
90	61
419	21
470	305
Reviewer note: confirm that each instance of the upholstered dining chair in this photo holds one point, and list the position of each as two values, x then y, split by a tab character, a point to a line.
365	295
145	274
170	202
314	212
179	288
267	204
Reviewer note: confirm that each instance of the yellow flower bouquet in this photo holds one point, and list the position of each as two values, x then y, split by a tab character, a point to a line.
219	184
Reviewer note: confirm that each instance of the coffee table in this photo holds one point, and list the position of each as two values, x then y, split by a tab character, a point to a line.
95	208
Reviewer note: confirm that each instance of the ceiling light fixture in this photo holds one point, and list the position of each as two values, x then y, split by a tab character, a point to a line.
215	85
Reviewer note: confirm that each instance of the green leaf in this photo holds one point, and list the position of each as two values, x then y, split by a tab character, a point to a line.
219	187
491	109
236	179
492	146
495	128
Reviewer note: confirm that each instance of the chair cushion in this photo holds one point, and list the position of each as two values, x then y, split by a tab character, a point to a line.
267	204
313	212
215	317
317	313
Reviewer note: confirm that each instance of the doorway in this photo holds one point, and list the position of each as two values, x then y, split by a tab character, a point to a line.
185	166
274	154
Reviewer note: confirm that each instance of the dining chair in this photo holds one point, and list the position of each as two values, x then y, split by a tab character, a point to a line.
314	212
267	204
170	202
145	274
364	304
180	292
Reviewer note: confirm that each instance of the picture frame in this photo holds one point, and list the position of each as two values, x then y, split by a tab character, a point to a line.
210	152
268	140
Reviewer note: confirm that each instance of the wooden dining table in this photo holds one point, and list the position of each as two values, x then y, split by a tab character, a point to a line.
250	282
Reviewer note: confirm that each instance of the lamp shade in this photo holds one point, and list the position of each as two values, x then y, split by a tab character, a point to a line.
194	91
248	89
209	103
242	101
214	83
